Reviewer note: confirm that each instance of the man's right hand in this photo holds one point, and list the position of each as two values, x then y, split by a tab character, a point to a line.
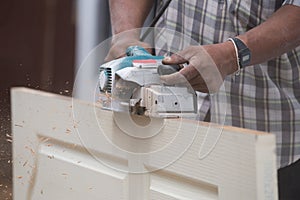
127	16
121	42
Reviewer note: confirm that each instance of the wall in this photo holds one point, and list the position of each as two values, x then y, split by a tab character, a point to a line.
37	50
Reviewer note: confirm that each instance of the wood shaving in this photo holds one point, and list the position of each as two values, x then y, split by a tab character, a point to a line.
25	163
18	125
31	150
68	131
9	140
44	139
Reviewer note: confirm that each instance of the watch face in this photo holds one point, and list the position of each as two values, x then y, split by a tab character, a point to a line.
244	54
242	51
246	58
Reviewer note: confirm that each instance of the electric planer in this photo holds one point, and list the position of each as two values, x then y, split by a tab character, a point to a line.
132	84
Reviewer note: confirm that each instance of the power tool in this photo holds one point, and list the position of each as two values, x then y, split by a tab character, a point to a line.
132	84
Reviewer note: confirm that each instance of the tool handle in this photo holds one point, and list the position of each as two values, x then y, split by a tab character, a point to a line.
168	69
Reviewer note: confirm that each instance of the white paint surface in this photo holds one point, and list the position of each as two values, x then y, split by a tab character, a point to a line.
57	156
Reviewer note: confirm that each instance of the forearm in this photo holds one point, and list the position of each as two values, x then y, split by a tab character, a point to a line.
128	14
279	34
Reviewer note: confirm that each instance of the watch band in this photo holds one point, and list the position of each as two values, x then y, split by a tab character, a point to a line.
244	53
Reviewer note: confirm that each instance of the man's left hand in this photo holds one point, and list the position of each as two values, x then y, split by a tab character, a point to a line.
207	66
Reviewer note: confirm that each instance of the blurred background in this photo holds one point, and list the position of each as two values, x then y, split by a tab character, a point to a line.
42	43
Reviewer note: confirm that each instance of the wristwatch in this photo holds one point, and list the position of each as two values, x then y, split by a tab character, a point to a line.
243	52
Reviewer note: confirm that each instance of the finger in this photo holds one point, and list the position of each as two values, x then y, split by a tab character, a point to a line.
174	59
145	45
108	57
175	78
189	72
198	80
183	76
111	57
183	56
150	50
178	58
198	84
200	88
179	79
202	85
114	54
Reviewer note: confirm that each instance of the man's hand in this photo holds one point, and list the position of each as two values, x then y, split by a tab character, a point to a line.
207	66
126	17
122	41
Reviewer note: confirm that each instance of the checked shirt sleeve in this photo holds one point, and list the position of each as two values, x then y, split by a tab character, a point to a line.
292	2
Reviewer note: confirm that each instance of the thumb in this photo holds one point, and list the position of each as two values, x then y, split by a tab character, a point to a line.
111	57
171	79
108	58
174	59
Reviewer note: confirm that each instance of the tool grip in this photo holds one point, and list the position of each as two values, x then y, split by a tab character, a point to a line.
168	69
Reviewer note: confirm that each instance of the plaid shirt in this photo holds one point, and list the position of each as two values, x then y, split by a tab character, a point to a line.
264	97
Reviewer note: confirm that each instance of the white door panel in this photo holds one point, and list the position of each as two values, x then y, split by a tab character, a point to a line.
166	186
69	149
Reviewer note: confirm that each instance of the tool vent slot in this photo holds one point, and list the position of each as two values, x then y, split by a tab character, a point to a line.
109	79
109	84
